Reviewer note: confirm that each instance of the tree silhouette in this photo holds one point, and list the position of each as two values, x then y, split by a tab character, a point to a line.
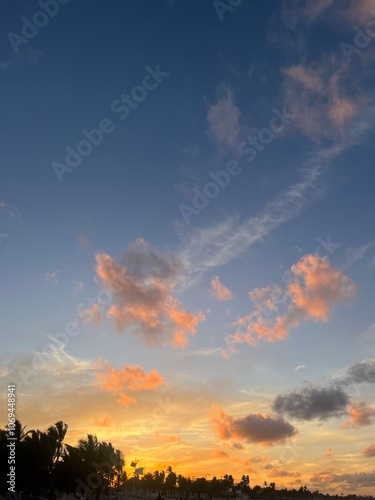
45	462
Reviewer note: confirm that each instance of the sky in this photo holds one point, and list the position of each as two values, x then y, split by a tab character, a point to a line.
187	245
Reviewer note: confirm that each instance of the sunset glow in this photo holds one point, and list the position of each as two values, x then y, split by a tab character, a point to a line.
187	238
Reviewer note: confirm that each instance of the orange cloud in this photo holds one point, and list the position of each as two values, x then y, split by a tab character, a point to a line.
125	400
102	423
143	303
328	452
127	378
168	439
256	428
91	314
315	288
369	451
360	415
219	291
321	287
220	454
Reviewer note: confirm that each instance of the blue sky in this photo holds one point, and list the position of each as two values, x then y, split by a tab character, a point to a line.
264	288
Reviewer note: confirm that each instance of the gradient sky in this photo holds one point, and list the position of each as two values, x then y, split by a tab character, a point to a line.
231	334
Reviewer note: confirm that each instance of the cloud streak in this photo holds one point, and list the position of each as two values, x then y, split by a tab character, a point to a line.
203	249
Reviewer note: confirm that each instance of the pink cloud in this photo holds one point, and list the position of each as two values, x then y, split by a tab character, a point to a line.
359	11
219	291
142	284
316	287
91	314
320	287
369	451
360	415
128	378
316	95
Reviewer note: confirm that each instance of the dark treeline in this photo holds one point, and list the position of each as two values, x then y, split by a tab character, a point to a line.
46	465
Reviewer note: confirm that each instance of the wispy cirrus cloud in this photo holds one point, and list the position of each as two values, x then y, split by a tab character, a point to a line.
10	209
355	254
203	249
211	247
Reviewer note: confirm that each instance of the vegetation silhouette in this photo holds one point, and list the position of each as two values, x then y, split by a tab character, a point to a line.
46	466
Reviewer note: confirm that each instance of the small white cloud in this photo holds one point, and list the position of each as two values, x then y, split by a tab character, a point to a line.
224	121
299	367
355	254
190	150
78	286
52	277
10	210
